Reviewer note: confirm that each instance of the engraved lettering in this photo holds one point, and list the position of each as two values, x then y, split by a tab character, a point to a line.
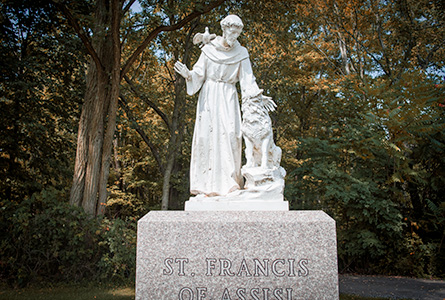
210	265
303	269
244	269
241	293
181	262
274	267
225	265
186	291
200	293
278	293
291	267
226	295
289	294
264	268
254	293
167	263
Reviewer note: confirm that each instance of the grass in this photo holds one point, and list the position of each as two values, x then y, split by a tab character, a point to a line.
92	293
68	293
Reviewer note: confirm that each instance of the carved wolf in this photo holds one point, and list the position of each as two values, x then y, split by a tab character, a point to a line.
261	150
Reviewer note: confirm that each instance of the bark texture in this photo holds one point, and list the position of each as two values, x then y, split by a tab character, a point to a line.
98	118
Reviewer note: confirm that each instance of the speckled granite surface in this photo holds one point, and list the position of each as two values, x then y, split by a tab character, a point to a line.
236	255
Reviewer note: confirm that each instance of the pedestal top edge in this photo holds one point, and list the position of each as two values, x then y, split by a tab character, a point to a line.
293	216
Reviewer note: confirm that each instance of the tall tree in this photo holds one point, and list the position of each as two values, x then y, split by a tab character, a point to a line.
105	72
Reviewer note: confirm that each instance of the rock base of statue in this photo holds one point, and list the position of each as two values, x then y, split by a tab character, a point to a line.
263	191
236	255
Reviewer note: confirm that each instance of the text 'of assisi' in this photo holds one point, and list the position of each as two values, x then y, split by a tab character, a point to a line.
224	267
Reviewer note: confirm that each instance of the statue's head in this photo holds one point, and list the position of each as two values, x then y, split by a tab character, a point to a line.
231	27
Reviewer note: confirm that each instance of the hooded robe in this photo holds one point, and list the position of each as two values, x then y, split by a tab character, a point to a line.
215	167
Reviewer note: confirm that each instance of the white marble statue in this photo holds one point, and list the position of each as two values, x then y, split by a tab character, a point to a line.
215	169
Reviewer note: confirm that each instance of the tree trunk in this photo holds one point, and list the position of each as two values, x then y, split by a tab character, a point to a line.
113	104
177	124
77	188
176	136
95	144
166	181
344	54
98	118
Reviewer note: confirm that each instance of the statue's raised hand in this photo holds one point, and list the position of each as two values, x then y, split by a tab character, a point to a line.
182	70
268	103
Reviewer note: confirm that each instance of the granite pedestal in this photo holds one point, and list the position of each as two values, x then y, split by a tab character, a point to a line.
236	255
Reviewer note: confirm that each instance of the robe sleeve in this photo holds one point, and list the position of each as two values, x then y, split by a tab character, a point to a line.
249	87
197	76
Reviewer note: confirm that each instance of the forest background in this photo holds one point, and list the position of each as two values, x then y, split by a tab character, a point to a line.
96	127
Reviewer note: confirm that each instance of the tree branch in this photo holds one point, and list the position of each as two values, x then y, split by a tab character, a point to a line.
81	34
154	151
196	13
375	59
127	7
146	100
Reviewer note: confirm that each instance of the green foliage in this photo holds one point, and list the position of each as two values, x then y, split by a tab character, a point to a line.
45	239
124	204
118	243
40	93
70	292
378	171
333	177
